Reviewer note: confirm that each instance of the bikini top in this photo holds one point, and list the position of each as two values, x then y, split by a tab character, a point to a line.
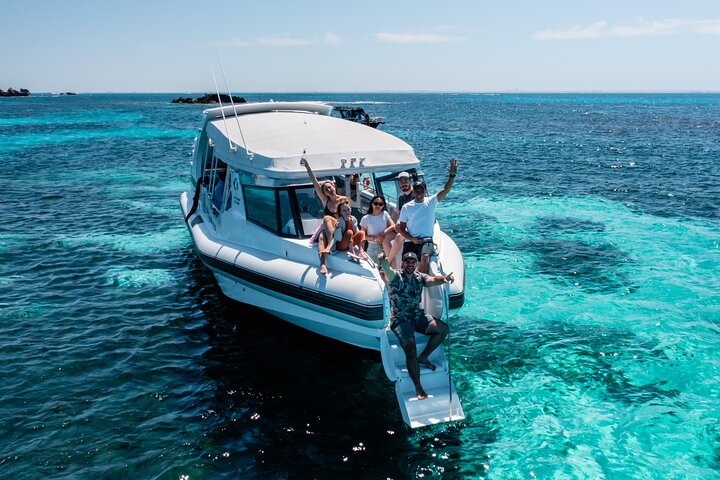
327	210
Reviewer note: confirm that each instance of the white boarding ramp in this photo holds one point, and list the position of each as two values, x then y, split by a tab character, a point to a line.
441	405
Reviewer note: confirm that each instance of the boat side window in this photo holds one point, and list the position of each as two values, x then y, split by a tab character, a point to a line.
261	206
366	188
271	208
310	209
215	185
205	162
287	219
388	187
208	163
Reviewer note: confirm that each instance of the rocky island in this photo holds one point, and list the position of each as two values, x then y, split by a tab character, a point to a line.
11	92
210	98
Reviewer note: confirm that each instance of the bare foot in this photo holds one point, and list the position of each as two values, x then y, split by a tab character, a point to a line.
323	271
427	363
421	395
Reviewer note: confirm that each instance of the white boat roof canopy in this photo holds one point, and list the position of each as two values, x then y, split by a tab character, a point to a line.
276	134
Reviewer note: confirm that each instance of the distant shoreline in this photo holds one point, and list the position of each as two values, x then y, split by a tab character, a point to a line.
11	92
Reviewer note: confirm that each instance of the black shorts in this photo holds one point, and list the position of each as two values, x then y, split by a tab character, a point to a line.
405	329
414	248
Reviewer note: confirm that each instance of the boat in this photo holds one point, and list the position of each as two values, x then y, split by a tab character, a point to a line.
357	114
251	210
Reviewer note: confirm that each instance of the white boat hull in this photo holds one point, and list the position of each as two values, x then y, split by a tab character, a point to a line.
304	316
345	307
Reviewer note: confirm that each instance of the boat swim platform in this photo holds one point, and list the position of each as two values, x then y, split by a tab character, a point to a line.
442	403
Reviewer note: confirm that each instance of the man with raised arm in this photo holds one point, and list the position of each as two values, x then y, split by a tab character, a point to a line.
417	218
405	288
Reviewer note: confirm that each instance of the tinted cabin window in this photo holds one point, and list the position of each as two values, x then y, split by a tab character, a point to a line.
287	220
216	177
389	188
310	208
270	208
261	206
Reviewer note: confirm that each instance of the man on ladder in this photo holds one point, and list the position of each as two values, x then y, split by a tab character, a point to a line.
405	287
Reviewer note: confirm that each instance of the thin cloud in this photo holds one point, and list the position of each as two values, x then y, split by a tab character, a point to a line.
652	28
283	41
405	38
594	30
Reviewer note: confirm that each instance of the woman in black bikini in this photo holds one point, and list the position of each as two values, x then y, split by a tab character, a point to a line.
331	200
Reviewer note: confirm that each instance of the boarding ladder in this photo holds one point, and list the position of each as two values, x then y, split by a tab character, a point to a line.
442	404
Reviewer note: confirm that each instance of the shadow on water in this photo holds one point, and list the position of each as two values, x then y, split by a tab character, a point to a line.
287	403
470	233
585	355
549	225
592	267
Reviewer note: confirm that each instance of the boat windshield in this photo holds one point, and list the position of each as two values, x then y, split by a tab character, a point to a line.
387	185
295	211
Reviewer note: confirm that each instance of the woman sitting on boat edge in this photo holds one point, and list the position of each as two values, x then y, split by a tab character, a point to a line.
346	235
327	193
378	227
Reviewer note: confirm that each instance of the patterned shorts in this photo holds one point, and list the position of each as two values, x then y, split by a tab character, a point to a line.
405	328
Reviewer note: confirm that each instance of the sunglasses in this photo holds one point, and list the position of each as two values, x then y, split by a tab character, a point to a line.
378	204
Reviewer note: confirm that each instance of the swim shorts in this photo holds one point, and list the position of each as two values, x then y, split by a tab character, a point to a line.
405	329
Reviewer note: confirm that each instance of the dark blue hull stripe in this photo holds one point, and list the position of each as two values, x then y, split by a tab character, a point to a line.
355	309
347	307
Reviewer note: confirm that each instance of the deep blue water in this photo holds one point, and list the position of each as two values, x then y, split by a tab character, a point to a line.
588	346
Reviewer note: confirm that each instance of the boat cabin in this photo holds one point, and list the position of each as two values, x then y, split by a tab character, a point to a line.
271	188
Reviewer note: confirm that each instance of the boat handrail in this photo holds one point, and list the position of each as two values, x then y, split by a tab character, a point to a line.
375	268
261	107
446	311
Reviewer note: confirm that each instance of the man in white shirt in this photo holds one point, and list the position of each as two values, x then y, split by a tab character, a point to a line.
417	218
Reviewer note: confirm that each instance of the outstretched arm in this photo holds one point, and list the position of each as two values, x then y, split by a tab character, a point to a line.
440	280
313	178
389	272
451	179
405	233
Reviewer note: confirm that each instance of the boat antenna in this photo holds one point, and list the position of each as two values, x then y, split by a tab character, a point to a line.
232	102
227	133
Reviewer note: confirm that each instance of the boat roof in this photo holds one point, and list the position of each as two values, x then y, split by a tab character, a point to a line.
272	137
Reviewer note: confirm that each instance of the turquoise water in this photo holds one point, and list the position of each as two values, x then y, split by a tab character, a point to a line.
588	346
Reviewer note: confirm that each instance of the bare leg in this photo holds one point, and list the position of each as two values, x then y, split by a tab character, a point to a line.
358	239
395	250
413	367
437	330
424	263
345	243
329	224
387	243
322	251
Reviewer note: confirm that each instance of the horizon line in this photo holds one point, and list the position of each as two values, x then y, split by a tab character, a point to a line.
355	92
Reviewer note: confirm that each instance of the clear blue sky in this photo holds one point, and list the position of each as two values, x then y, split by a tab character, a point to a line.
365	45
